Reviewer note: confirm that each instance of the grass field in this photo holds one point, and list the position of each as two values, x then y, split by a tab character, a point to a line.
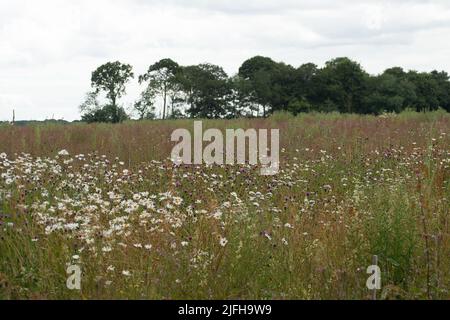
349	187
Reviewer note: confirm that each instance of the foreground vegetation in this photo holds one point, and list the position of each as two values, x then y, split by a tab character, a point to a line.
350	187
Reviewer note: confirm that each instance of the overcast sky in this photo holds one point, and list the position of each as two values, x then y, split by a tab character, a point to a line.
49	48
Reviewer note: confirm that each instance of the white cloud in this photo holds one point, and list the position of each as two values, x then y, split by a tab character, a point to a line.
48	48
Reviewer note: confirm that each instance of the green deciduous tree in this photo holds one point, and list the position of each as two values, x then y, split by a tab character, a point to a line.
112	78
208	91
92	111
390	92
259	71
243	100
145	106
344	82
426	89
163	77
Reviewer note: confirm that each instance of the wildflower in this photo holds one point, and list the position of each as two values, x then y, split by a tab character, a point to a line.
223	241
226	205
217	214
63	152
177	201
184	243
126	273
107	249
136	197
71	226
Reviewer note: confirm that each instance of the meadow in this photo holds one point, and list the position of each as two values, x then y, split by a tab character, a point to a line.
108	199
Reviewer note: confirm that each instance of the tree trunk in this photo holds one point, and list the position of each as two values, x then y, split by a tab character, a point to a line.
172	107
165	102
115	109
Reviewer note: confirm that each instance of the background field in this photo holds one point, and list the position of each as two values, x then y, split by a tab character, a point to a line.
349	187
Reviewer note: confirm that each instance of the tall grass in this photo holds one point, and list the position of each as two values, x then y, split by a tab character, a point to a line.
350	187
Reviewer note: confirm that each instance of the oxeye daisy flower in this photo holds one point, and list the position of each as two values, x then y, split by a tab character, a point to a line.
126	273
223	241
107	249
63	152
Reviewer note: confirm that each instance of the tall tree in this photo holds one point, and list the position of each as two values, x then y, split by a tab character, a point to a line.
303	81
259	72
388	92
443	92
162	77
427	90
112	78
345	84
207	91
176	95
242	97
92	111
282	91
272	82
145	106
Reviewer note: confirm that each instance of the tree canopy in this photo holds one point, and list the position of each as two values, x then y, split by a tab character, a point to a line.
110	78
163	77
263	86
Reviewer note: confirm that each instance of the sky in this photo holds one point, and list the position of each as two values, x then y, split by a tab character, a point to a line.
49	48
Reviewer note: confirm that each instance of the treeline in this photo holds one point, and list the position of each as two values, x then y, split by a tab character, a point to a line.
261	87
